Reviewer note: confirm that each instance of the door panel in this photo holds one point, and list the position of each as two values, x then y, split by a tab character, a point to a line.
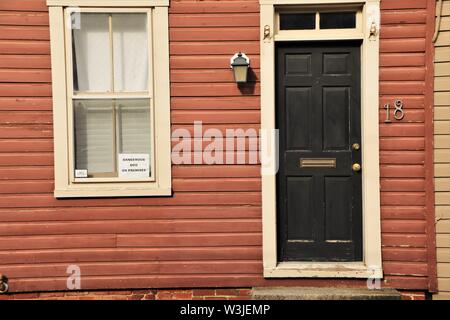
318	115
335	118
300	222
298	118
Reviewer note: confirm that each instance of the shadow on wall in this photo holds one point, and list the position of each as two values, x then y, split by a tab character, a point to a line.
248	88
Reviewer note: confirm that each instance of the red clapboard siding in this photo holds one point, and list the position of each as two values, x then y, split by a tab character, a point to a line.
402	59
135	227
413	115
396	88
402	45
406	282
404	17
206	62
23	5
26	117
403	157
208	48
141	268
183	185
402	171
403	198
211	6
21	186
404	240
405	268
187	239
207	76
403	31
389	184
403	212
21	173
137	254
214	34
206	198
402	144
26	131
214	20
402	130
19	18
227	130
413	102
24	33
187	103
129	213
25	61
24	47
26	145
214	90
19	159
25	104
402	74
25	90
404	254
403	4
399	226
209	234
25	76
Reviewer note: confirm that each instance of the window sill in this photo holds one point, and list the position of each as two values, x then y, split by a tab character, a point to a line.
323	270
77	192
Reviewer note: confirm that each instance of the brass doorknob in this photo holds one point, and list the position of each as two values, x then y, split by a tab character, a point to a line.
355	146
356	167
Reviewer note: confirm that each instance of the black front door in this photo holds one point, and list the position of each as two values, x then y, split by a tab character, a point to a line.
319	180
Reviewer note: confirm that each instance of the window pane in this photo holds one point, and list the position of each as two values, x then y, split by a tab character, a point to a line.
337	20
91	53
299	21
94	136
130	51
134	126
107	129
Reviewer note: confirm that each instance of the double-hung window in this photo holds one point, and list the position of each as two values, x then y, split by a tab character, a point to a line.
111	99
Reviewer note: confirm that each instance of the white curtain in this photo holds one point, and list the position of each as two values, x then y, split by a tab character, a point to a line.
92	58
130	52
92	53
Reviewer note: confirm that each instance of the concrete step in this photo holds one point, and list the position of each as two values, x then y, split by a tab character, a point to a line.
305	293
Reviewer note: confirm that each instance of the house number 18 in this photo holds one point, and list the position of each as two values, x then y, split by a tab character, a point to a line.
399	113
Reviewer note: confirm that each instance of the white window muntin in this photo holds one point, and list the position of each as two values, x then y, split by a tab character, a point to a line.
73	96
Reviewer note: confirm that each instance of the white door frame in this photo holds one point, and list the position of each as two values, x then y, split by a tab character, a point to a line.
371	266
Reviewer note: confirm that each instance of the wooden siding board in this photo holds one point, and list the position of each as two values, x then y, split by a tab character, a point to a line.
442	148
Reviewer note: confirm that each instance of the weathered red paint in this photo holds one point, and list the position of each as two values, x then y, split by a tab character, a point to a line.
209	233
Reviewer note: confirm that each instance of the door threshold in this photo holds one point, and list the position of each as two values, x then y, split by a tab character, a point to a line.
323	270
307	293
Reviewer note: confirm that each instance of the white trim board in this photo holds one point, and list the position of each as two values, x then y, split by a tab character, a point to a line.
371	266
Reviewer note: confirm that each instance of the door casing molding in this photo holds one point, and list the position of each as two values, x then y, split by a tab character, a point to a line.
371	266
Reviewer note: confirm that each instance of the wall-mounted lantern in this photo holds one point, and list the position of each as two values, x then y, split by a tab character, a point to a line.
240	64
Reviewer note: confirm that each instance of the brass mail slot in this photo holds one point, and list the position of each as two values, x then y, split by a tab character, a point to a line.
317	162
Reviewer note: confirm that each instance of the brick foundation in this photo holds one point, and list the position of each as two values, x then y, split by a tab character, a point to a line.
413	295
161	294
157	294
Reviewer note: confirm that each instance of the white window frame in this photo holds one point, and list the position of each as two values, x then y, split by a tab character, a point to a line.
371	266
66	185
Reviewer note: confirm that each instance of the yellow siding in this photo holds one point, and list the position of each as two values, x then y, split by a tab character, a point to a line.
442	153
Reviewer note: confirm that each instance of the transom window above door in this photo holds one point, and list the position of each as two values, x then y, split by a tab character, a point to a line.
318	22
